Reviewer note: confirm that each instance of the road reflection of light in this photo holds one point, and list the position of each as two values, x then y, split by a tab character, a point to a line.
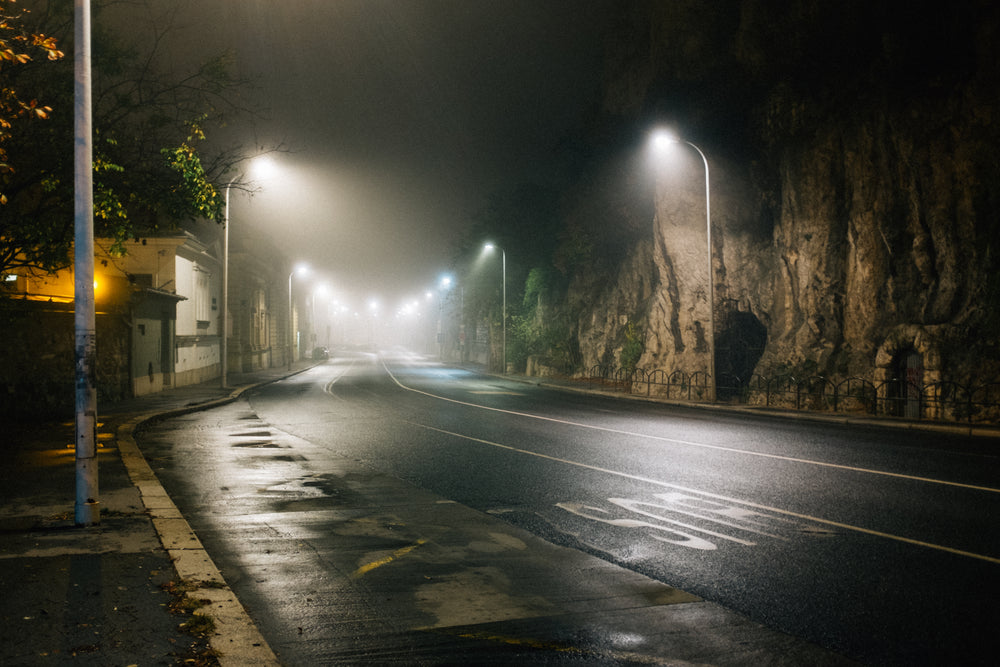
56	457
626	639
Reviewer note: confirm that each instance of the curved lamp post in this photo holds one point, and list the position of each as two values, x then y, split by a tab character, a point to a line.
301	269
664	138
224	324
259	163
503	279
444	285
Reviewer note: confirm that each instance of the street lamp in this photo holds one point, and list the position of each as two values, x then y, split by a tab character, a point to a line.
503	328
444	286
260	163
224	324
301	269
372	316
660	139
322	291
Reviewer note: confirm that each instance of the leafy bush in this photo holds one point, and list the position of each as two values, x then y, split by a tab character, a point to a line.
632	349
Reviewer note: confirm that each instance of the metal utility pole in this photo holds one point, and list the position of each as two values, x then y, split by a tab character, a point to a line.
661	138
87	509
711	280
224	319
503	255
503	281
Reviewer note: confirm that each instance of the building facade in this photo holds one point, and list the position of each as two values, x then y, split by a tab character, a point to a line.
159	320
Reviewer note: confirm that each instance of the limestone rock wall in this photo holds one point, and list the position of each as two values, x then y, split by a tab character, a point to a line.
855	209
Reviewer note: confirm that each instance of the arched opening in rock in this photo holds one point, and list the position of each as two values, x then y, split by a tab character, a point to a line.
738	348
906	384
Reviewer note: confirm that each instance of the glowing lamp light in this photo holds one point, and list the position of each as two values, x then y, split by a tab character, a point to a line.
664	138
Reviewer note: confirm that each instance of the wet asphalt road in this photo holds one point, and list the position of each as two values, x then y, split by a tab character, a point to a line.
880	545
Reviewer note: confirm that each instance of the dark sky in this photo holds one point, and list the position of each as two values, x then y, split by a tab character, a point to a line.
401	116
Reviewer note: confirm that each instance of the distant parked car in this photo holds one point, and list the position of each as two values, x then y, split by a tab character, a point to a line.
321	353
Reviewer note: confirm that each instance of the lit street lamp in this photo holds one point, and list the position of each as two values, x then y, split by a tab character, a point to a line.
261	163
320	291
224	323
444	286
301	269
503	328
662	138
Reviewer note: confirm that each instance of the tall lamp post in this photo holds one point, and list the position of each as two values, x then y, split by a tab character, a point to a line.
322	291
666	138
87	510
443	286
503	281
259	162
224	324
301	270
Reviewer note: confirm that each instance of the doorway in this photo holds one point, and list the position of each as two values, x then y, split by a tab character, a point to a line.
907	383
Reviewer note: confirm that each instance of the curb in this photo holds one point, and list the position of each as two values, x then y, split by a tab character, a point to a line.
237	640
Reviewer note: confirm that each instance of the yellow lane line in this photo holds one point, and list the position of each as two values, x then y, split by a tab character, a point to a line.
398	553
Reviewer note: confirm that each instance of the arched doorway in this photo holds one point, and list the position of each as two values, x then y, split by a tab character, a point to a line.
907	383
908	360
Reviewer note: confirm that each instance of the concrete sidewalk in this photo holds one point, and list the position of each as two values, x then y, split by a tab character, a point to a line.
99	595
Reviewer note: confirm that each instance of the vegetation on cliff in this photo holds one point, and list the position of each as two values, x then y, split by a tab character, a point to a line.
853	171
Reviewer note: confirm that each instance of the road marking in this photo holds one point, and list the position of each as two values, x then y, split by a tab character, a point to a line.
398	553
496	393
723	515
767	508
673	536
721	448
328	388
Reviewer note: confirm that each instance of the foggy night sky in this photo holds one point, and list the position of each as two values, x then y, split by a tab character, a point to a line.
401	117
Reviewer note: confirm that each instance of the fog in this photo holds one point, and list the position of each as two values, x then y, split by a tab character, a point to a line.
399	118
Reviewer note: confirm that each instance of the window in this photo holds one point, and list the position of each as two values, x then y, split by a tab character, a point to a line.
202	296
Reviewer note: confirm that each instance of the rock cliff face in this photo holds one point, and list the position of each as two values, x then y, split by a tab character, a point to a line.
854	181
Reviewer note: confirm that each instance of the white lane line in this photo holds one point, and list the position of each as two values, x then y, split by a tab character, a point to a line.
702	445
767	508
329	385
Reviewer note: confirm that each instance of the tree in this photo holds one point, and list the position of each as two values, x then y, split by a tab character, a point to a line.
150	171
15	46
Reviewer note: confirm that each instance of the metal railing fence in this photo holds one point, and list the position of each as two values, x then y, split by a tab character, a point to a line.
935	401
